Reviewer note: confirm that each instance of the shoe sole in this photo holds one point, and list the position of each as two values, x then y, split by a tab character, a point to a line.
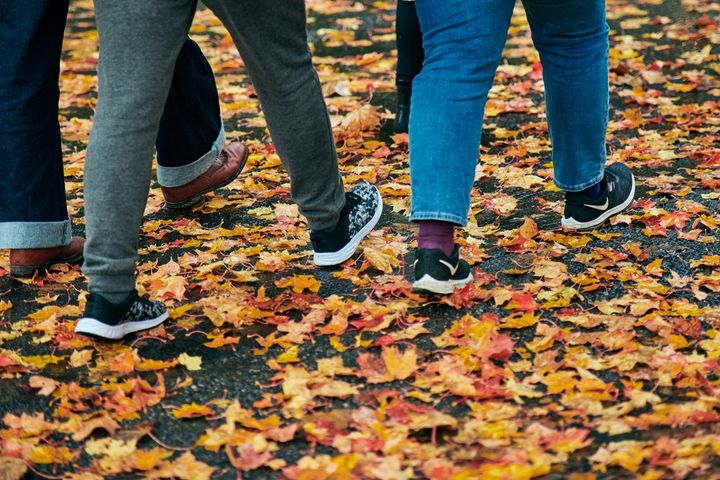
428	284
572	224
28	271
96	328
197	198
328	259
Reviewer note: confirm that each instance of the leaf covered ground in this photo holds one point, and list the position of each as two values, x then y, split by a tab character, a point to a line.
572	355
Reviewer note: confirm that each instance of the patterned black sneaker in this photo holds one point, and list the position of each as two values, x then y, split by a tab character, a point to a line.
438	273
113	321
363	207
583	212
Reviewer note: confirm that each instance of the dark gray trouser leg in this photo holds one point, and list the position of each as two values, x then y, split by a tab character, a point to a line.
272	39
139	43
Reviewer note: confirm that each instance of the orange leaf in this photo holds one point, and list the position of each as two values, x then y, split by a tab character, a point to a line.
192	410
299	283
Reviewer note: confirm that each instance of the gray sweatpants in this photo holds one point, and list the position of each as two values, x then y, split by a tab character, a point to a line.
139	43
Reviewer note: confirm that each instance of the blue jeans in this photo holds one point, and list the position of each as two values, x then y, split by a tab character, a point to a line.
463	42
33	213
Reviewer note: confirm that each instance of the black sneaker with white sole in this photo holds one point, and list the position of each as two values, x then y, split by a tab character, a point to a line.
438	273
363	207
113	321
583	212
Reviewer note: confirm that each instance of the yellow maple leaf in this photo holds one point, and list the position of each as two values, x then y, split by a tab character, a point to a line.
289	356
299	283
193	364
47	454
382	259
80	358
399	364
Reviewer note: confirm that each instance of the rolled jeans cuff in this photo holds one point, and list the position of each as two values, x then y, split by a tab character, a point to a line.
178	176
579	187
442	216
15	235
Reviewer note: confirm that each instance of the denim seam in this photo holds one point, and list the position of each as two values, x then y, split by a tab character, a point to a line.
17	235
178	176
447	217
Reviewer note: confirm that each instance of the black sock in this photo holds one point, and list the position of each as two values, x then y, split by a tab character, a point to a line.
595	191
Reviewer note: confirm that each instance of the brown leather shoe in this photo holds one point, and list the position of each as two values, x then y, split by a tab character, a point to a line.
24	262
226	168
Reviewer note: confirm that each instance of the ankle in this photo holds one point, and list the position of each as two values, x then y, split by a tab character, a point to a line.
594	191
116	298
436	234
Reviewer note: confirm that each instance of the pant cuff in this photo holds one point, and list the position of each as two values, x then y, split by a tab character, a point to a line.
15	235
445	217
178	176
578	187
111	286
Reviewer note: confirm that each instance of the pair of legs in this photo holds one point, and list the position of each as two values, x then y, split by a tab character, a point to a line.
463	41
33	212
139	44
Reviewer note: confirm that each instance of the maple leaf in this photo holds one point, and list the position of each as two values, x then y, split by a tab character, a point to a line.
521	239
5	306
48	454
400	365
87	426
373	368
12	468
185	467
193	364
44	385
250	456
192	410
365	118
299	283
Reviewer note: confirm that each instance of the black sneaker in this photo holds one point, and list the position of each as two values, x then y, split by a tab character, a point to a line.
438	273
583	212
113	321
363	207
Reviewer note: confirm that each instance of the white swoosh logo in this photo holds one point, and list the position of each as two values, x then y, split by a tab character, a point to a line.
599	207
452	269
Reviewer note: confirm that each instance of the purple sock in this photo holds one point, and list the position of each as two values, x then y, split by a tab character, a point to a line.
437	234
595	191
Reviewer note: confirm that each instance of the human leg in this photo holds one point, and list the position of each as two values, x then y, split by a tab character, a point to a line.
572	39
139	42
33	212
410	59
463	42
272	39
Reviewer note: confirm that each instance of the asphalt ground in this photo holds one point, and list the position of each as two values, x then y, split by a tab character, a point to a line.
665	128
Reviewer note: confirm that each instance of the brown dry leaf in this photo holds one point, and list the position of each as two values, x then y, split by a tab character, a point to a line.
12	468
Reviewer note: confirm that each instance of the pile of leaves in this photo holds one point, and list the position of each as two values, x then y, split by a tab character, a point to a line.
572	355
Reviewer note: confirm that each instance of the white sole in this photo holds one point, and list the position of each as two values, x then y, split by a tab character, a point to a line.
95	327
328	259
441	287
572	224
